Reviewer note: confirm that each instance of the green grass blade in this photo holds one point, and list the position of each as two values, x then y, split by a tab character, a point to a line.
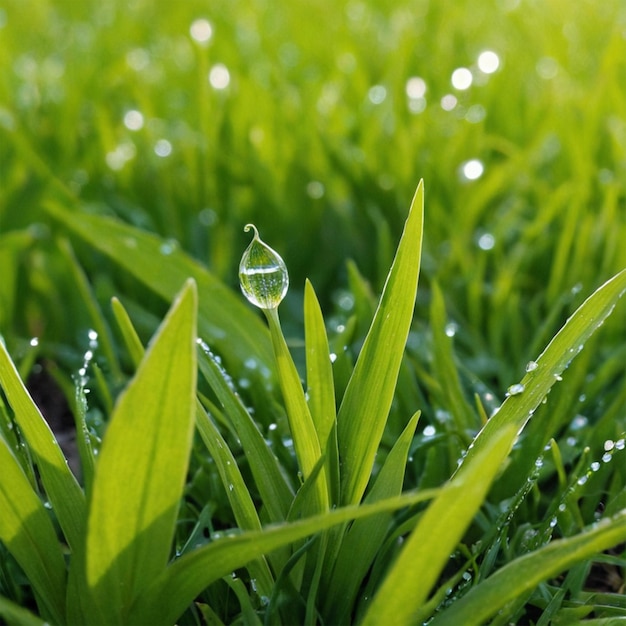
27	532
367	400
518	409
446	371
319	373
234	485
15	614
525	573
172	592
142	467
438	531
364	538
223	320
269	478
62	489
303	432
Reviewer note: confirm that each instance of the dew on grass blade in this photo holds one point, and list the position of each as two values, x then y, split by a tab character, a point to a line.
263	274
201	30
515	390
531	366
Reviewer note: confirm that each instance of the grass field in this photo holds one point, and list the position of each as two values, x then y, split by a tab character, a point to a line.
138	138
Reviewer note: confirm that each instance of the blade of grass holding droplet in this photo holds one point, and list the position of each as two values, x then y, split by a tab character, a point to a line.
362	541
526	572
303	432
223	320
62	488
518	409
363	412
141	469
438	531
168	596
234	485
28	534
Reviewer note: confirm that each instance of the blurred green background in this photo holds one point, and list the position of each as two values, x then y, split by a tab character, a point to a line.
315	120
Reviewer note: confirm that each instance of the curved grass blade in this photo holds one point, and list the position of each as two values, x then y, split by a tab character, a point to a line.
546	371
438	531
27	532
525	573
367	400
176	588
62	489
15	614
142	467
223	320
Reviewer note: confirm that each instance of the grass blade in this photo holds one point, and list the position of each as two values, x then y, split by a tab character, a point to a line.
62	489
363	539
142	468
518	409
27	532
438	531
269	478
526	572
367	400
172	592
303	432
223	320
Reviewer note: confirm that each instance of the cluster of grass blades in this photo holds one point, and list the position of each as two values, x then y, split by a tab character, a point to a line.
297	511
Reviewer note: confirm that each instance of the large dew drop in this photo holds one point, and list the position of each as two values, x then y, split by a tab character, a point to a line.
262	273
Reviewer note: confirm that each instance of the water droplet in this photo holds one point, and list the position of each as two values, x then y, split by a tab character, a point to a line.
461	78
429	431
580	421
486	241
609	444
539	462
451	329
163	148
415	88
531	366
133	120
34	342
582	480
377	94
272	426
620	444
262	273
595	466
168	246
92	335
488	62
448	102
558	378
553	522
606	457
219	76
472	169
562	507
333	357
201	30
515	390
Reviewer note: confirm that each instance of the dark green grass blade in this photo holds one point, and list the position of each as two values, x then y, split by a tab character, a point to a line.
525	573
27	532
142	467
172	592
223	319
62	489
367	400
364	538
